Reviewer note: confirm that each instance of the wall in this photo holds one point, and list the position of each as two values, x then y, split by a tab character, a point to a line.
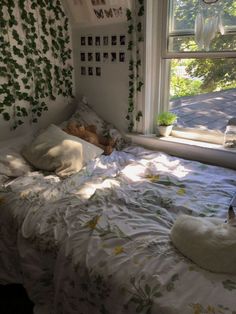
32	37
108	93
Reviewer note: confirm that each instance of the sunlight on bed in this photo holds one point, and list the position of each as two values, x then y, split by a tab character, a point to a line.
160	165
88	189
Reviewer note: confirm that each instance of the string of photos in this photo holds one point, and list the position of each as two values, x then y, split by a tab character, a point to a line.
35	59
135	31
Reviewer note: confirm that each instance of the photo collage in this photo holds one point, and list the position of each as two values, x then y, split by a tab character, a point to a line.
96	50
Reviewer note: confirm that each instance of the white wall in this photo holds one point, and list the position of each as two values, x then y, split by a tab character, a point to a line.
108	94
58	112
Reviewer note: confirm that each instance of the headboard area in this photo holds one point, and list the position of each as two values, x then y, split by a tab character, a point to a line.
36	66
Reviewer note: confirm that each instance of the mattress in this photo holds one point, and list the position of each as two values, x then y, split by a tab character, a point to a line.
99	241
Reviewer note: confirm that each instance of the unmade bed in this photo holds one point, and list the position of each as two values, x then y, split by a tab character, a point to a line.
98	241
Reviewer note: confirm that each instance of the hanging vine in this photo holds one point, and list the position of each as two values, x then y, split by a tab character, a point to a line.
135	31
35	58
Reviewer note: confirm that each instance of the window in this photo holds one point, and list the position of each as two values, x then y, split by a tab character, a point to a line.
196	63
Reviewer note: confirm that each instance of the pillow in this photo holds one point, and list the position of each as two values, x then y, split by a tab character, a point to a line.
12	164
85	116
55	150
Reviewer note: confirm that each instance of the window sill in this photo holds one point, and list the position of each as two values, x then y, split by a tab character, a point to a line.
210	153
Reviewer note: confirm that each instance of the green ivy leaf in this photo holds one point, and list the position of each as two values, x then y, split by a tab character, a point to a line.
6	116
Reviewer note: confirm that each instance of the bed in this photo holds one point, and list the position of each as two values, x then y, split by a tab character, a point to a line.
98	240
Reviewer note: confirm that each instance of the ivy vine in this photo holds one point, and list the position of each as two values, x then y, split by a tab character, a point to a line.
135	31
35	58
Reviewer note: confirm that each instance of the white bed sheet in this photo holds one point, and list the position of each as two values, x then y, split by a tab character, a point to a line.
98	242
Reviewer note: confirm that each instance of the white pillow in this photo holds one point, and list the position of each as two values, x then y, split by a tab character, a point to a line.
12	164
55	150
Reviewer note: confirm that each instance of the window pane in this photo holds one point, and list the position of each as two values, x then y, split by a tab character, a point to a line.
188	44
203	92
215	26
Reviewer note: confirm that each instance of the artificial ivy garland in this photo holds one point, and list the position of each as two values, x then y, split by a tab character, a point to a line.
135	26
35	58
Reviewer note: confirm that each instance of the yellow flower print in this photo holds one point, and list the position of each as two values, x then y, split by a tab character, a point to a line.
181	191
24	194
2	200
93	222
153	178
211	310
118	250
197	308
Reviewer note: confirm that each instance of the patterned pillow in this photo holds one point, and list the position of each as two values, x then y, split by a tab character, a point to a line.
85	115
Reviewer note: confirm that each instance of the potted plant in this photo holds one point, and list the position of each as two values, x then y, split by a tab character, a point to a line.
165	121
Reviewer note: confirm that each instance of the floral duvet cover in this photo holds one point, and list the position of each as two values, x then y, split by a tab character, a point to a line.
98	242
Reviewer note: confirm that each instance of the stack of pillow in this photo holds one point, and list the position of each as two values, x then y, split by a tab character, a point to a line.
54	150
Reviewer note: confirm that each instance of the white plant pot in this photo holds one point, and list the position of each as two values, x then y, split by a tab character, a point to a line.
164	130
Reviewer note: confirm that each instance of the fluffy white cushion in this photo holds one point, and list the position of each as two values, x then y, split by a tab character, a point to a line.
55	150
208	242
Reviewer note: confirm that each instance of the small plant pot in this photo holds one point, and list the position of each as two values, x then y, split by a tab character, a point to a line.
164	130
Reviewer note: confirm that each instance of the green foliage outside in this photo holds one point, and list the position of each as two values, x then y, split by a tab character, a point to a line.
181	86
203	75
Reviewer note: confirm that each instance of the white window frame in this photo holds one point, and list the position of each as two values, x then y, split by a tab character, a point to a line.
157	76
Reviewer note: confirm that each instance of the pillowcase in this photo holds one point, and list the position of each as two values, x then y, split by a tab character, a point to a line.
55	150
12	164
85	116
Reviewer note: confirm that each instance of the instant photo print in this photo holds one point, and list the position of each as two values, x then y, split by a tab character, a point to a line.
90	40
83	70
82	56
105	40
98	71
98	57
113	56
114	40
90	56
82	41
90	71
105	57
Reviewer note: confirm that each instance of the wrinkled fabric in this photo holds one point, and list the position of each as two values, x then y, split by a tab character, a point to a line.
98	241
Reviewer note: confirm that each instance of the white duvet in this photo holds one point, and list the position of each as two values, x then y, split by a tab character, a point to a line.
99	241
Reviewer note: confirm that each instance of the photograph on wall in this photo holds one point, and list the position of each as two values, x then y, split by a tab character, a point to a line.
122	40
113	56
98	71
82	56
113	40
122	57
83	70
90	40
98	57
105	40
90	71
90	56
97	41
82	41
105	57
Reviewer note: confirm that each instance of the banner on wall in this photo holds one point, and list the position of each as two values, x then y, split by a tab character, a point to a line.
99	12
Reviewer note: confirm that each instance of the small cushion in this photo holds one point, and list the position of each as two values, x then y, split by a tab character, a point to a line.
85	115
55	150
12	164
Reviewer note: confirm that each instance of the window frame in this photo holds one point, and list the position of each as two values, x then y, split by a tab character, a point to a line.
157	72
